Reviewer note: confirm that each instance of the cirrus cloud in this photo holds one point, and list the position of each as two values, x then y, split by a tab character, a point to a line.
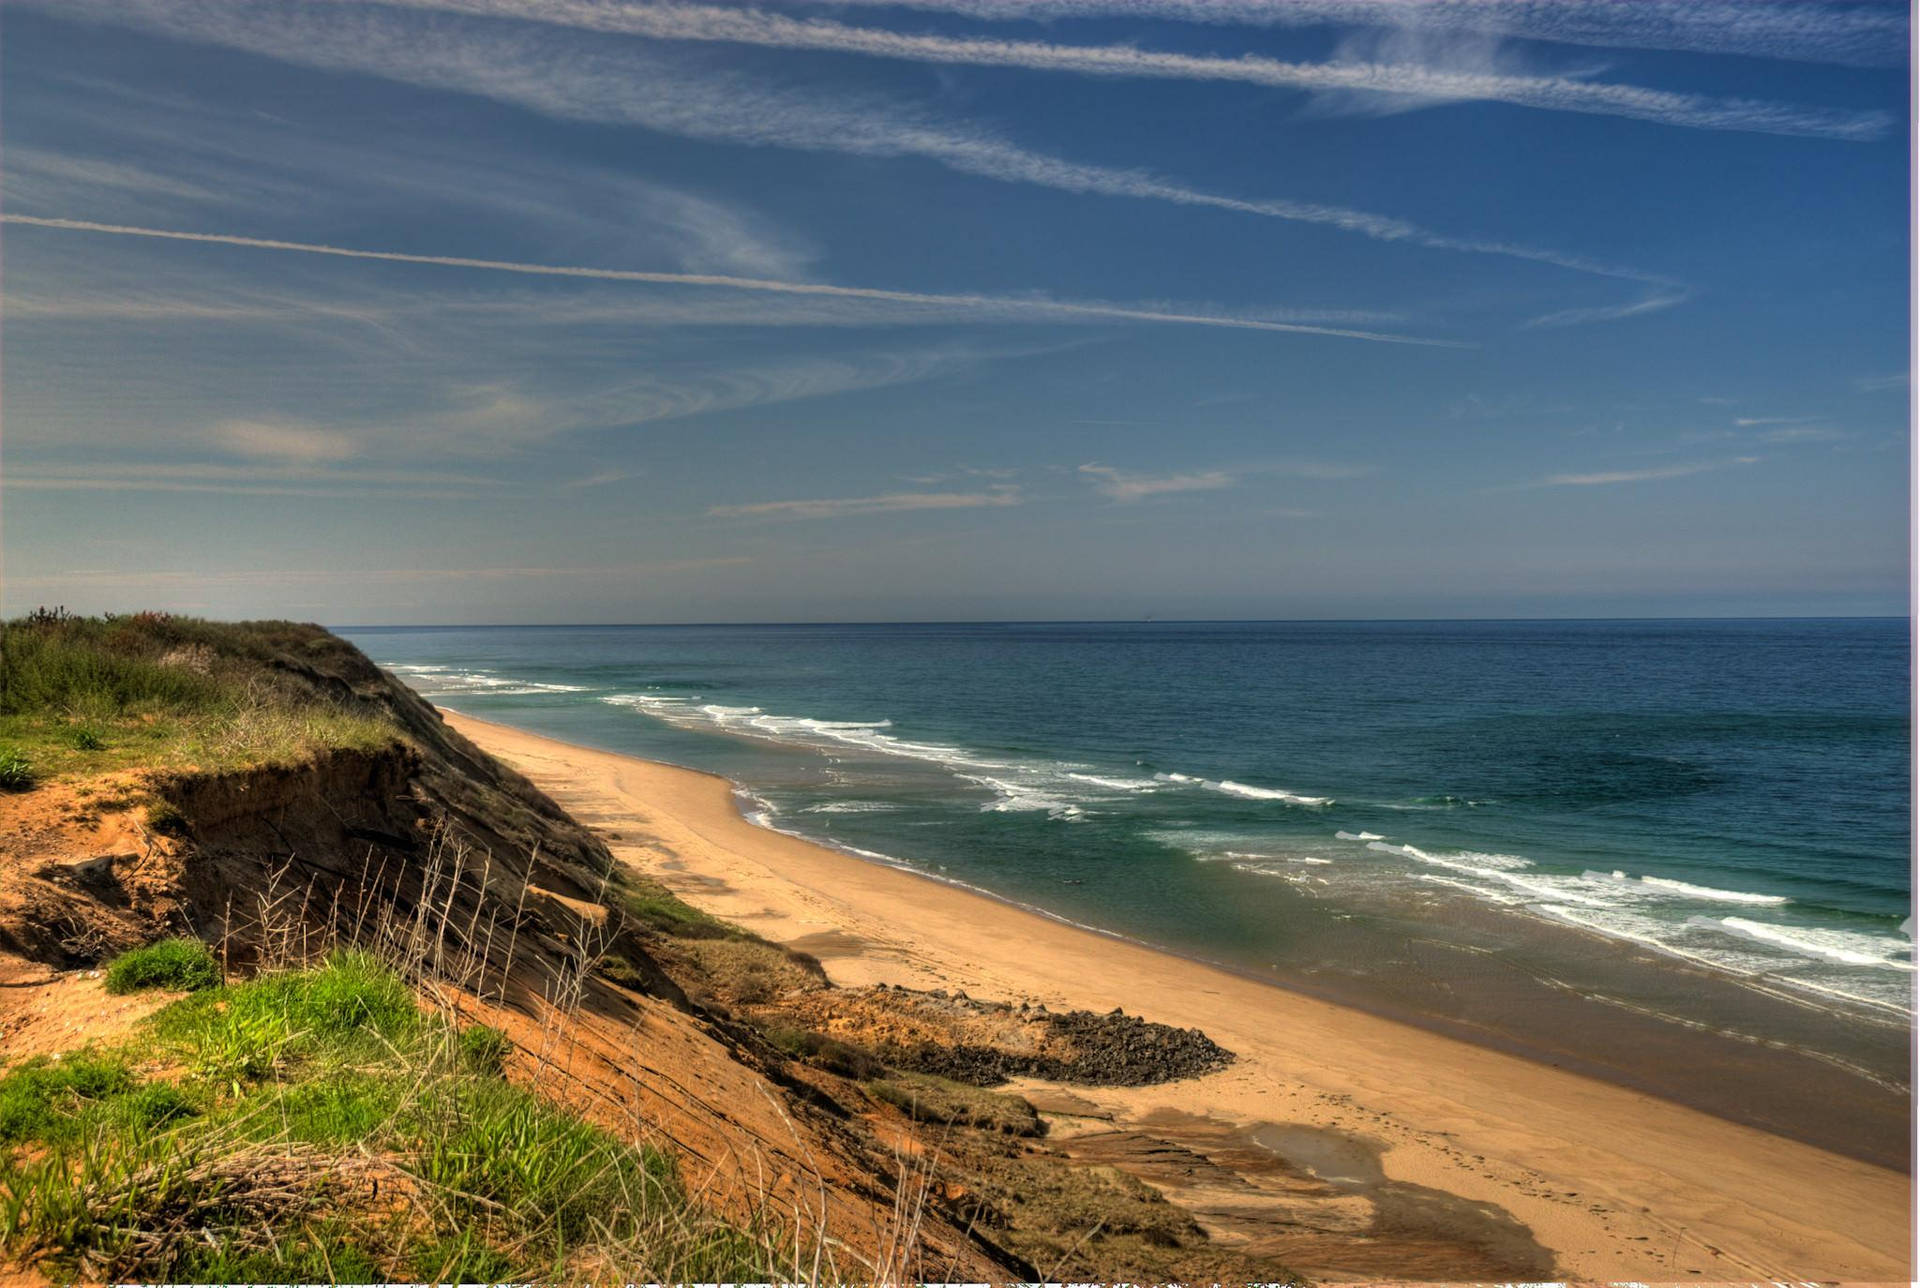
892	502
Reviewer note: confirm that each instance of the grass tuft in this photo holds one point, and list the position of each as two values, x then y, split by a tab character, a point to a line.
245	1032
185	964
336	1132
658	909
44	1099
165	819
484	1049
16	771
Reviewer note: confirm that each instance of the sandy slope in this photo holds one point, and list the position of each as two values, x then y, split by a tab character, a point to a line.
1618	1184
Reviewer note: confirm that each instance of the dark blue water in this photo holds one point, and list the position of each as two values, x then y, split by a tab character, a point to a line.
1725	801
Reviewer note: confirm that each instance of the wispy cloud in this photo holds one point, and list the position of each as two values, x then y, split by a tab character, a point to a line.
627	86
1000	307
1851	35
1134	487
843	507
40	174
1122	485
194	161
1607	478
1803	434
1655	303
601	478
169	579
281	441
281	477
697	22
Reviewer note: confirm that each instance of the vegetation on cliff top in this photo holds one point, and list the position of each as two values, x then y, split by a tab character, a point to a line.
151	691
316	1125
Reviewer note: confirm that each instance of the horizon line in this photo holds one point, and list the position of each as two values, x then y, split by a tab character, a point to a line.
1102	621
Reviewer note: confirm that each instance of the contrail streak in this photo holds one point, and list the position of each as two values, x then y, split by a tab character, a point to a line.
1038	308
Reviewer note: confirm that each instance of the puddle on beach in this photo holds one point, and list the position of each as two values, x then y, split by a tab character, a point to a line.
1316	1198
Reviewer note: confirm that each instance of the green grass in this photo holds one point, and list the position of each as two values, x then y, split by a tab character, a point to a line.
352	1005
659	909
150	691
185	964
45	1100
484	1049
245	1169
16	771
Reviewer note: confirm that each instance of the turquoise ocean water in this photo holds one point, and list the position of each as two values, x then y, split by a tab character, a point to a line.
1696	826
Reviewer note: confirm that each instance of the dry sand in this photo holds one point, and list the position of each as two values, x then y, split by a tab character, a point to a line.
1619	1185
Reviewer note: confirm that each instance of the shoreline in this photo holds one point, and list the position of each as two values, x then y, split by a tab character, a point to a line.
1619	1183
754	811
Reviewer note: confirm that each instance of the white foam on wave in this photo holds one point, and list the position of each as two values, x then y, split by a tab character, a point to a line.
446	681
1681	891
1785	961
1479	892
1017	787
1712	895
757	809
1117	784
756	722
1310	859
1014	797
1227	787
1849	948
1470	861
849	807
1359	836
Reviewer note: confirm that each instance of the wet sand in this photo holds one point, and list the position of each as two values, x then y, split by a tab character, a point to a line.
1614	1183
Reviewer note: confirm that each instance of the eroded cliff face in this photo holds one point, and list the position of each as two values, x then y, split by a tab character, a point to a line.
496	902
861	1120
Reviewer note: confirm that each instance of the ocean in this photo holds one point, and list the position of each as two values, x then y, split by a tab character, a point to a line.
1650	850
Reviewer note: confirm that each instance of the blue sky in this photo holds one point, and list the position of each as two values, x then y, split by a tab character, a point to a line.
604	310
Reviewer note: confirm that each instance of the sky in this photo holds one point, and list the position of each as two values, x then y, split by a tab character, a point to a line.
523	311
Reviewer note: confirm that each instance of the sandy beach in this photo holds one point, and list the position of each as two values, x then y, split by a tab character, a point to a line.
1618	1185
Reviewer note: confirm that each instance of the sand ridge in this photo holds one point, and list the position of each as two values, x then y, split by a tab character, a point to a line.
1617	1184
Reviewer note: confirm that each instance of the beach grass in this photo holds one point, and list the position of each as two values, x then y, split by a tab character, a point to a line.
318	1123
81	696
184	964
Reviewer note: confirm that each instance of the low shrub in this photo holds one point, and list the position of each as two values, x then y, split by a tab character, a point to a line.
163	818
927	1099
16	771
484	1049
658	909
185	964
831	1054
